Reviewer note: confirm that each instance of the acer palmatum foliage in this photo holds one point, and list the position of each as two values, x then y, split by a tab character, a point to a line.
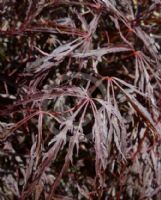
80	99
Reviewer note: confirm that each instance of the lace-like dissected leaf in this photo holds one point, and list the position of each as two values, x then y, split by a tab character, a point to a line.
100	52
141	111
57	54
147	42
116	125
100	141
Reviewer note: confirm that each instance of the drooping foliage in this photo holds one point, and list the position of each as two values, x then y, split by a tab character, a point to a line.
80	99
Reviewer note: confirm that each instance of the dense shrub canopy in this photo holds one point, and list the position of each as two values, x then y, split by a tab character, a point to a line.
80	99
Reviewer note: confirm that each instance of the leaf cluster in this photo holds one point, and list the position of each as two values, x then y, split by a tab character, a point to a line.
80	99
